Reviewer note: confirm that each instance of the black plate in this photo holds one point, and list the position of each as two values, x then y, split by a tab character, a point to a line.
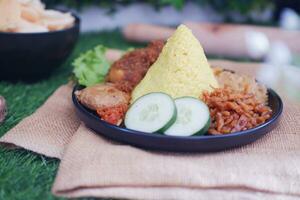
205	143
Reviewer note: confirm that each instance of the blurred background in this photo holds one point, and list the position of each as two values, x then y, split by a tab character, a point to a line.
172	12
272	39
262	31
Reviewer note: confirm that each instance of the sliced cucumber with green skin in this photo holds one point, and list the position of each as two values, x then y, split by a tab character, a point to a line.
153	112
193	118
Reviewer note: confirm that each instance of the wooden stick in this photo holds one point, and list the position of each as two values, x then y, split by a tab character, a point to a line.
217	39
146	32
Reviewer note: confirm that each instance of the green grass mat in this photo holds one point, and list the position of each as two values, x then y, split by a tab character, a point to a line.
25	175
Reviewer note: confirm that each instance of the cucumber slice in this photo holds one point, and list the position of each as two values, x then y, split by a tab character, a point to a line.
193	117
154	112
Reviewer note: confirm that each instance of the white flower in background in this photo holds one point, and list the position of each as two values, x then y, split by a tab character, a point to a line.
291	82
279	54
269	75
277	72
277	58
289	19
257	44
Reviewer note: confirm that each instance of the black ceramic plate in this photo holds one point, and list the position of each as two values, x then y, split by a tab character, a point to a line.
205	143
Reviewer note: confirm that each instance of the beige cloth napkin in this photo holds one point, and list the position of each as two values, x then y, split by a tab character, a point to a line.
49	129
94	166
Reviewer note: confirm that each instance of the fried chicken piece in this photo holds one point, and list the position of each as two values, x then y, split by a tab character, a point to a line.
128	71
109	102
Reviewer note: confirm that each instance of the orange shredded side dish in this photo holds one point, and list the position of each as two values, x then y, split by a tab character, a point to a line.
233	111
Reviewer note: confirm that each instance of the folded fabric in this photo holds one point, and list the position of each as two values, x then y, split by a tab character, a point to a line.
94	166
49	129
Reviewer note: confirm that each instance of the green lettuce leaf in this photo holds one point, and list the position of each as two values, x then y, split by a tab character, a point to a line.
91	67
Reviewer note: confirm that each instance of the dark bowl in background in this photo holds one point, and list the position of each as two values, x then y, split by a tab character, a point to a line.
32	56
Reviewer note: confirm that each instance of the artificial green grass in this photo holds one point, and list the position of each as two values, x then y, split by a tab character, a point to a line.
23	174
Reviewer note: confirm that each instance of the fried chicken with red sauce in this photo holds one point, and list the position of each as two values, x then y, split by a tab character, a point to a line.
109	102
